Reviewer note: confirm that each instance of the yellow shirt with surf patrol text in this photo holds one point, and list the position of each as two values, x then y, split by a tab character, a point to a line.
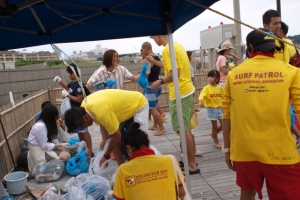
186	86
256	99
113	106
286	53
146	178
211	96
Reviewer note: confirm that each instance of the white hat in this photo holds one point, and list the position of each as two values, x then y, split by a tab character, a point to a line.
226	45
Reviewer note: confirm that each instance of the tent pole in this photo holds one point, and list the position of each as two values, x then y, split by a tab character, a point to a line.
178	106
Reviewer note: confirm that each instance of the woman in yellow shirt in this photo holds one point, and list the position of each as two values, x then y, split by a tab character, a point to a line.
145	176
211	97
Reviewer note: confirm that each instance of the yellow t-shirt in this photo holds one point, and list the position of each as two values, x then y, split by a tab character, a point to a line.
111	107
256	99
183	64
211	96
286	54
146	177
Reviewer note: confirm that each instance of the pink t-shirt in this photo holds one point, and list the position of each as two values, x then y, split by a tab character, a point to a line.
221	61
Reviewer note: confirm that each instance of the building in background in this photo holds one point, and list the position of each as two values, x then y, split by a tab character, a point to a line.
24	55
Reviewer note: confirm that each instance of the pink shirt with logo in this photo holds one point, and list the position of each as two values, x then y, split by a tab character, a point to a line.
221	61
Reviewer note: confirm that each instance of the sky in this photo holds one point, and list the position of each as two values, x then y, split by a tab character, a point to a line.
189	34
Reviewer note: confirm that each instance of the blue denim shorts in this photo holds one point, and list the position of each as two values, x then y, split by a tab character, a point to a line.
214	113
82	131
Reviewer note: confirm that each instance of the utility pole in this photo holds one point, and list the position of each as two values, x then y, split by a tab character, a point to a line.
238	31
279	7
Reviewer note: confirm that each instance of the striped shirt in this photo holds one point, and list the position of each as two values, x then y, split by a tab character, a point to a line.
102	75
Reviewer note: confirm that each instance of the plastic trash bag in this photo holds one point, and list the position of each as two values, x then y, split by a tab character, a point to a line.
66	104
143	80
108	168
88	187
156	151
73	140
50	195
49	171
62	136
96	186
78	164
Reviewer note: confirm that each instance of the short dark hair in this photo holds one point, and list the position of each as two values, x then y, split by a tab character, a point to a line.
147	45
215	74
136	138
268	15
73	118
284	28
70	71
44	103
189	53
108	57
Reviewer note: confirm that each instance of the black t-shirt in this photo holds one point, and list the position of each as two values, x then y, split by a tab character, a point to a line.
154	72
76	90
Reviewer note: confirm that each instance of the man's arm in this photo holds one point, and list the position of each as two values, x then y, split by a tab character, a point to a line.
155	62
115	138
167	79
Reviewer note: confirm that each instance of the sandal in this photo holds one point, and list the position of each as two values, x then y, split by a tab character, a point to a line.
181	164
197	171
198	153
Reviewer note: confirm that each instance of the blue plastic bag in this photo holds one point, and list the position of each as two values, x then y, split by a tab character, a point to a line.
73	140
143	80
77	164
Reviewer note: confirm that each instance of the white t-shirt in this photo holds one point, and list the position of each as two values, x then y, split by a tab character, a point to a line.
38	136
102	75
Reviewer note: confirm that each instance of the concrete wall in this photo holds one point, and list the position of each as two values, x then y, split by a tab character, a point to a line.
26	80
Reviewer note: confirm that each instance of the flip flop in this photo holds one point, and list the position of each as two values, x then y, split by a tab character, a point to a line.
199	153
197	171
164	119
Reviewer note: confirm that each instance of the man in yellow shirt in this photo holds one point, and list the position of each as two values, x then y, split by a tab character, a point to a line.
109	108
272	21
256	122
186	92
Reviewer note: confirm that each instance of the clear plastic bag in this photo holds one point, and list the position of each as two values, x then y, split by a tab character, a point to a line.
50	171
66	104
50	195
96	186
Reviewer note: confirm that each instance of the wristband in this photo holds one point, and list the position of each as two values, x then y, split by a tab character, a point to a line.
106	157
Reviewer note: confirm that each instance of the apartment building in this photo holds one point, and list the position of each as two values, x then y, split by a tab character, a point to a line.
24	55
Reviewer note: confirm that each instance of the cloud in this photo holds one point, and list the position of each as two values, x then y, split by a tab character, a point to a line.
189	34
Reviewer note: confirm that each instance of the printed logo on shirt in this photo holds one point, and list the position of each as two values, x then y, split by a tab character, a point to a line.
215	95
79	89
130	181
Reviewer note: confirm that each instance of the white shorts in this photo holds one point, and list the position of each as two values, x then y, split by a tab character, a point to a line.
141	117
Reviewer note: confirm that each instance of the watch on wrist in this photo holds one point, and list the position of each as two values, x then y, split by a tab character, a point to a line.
106	157
225	150
161	80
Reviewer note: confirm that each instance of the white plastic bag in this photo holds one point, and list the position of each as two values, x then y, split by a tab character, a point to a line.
66	104
62	136
156	151
50	195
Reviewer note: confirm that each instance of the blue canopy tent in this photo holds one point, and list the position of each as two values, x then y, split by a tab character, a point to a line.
26	23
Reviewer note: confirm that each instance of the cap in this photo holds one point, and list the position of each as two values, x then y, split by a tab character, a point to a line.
261	41
226	45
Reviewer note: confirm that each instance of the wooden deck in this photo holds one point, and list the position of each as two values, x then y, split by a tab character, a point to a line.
215	181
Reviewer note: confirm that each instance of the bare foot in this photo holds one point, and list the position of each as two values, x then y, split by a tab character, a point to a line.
216	141
160	132
153	128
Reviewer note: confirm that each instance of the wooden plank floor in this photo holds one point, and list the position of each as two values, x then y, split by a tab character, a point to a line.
215	181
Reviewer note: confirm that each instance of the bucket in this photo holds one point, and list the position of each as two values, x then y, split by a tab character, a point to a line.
16	182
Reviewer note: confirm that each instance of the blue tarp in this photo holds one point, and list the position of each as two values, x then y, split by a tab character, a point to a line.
26	23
